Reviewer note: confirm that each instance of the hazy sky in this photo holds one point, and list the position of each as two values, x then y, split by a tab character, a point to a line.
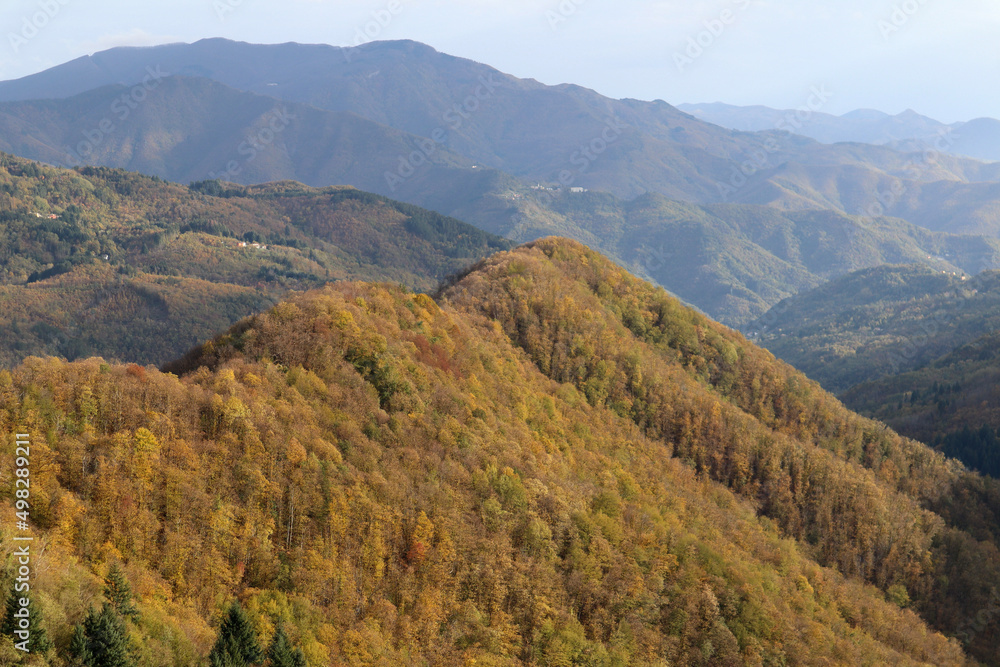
936	57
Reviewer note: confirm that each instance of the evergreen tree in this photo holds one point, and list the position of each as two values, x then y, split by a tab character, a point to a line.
38	640
102	640
118	593
237	644
79	648
281	653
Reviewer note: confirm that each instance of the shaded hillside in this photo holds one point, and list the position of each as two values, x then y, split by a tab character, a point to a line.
533	131
958	392
193	129
735	261
107	262
880	322
397	482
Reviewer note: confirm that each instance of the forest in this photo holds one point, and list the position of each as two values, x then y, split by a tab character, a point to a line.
912	347
549	462
98	261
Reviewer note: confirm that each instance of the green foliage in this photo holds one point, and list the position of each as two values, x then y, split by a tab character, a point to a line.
38	639
281	653
237	644
118	593
102	640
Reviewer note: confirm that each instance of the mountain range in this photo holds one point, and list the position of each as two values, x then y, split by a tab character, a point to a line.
463	139
978	138
292	376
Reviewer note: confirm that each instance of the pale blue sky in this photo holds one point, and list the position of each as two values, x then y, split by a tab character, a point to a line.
936	57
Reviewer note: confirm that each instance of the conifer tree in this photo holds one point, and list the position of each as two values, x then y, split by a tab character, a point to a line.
118	593
102	640
79	648
237	644
281	653
38	640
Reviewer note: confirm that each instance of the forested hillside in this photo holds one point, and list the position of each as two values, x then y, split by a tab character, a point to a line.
559	302
732	222
952	402
554	463
880	322
735	261
910	346
105	262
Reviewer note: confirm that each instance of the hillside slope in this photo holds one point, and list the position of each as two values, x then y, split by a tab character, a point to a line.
958	393
193	129
734	261
879	322
535	132
400	481
107	262
758	426
912	347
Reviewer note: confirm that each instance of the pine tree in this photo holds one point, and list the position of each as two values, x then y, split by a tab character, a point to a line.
38	640
79	648
118	593
102	640
281	653
237	644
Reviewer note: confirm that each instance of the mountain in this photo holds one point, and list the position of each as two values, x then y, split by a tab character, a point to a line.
195	129
403	120
529	130
879	322
734	261
737	261
551	462
978	138
907	131
111	263
866	126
